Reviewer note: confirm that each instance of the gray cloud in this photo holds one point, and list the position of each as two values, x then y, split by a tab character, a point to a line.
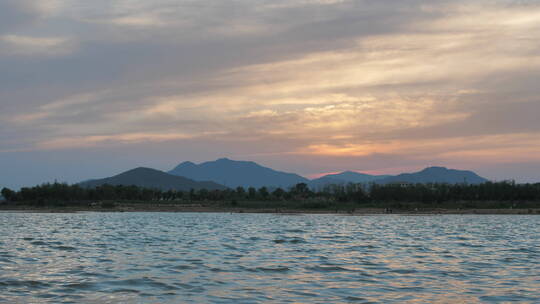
112	53
508	118
290	73
17	13
121	57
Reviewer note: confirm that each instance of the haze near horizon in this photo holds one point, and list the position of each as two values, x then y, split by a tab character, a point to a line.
91	89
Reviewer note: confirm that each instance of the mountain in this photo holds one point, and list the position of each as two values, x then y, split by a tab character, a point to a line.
234	173
209	175
155	179
436	175
355	177
319	183
344	178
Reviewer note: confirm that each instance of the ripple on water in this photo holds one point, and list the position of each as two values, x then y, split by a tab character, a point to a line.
231	247
79	287
183	267
39	243
6	260
270	269
357	299
330	268
143	283
238	258
295	231
295	240
29	284
403	271
64	248
124	290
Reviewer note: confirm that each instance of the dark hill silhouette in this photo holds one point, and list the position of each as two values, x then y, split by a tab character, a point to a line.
211	175
234	173
321	182
344	178
155	179
356	177
436	175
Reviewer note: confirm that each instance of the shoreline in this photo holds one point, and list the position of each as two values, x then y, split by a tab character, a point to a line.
282	211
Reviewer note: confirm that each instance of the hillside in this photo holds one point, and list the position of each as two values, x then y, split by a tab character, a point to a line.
151	178
233	173
436	175
343	178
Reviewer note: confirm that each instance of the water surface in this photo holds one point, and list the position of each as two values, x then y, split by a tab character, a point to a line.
264	258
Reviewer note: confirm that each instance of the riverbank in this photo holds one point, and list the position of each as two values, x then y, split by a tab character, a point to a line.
138	207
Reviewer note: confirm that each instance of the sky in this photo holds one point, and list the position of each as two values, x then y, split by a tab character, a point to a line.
89	89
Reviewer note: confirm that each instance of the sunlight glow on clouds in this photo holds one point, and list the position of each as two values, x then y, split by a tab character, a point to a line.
447	81
518	145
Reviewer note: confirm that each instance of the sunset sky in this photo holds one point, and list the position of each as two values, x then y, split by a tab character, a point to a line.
92	88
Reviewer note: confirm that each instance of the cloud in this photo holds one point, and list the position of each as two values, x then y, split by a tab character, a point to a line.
17	45
23	14
322	78
116	139
17	13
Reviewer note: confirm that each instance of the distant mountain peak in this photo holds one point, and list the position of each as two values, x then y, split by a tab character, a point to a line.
345	177
435	168
228	161
152	178
437	174
225	172
432	174
141	169
351	173
186	164
234	173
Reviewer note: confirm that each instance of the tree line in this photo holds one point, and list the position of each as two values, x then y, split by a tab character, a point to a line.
427	194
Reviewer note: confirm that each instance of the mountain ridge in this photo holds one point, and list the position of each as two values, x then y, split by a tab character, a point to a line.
436	174
214	174
235	173
152	178
344	177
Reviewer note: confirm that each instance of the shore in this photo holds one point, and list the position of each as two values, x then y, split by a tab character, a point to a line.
200	208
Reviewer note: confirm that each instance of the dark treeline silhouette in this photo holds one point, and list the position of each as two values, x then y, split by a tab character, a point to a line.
503	194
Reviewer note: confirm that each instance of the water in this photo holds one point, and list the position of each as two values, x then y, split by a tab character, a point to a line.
256	258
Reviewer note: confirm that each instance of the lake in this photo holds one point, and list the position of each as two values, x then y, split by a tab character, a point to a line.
268	258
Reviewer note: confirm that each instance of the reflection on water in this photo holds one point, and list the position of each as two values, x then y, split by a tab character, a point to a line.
249	258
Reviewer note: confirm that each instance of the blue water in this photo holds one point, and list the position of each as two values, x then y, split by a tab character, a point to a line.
264	258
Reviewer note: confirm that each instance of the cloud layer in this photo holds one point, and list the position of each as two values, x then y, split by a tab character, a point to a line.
363	85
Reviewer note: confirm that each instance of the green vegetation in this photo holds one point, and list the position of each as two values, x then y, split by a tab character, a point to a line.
486	195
